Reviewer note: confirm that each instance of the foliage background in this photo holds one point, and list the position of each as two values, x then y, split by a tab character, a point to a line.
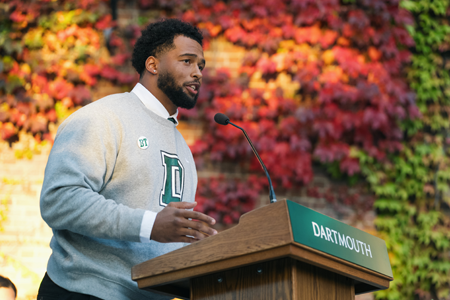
358	89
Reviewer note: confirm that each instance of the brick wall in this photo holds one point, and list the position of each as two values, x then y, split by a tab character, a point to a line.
24	241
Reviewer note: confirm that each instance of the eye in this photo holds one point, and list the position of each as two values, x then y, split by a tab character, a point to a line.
188	61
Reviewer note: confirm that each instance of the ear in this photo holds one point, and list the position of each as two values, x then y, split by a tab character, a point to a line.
151	65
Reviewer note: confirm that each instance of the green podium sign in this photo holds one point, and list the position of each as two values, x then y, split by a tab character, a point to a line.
328	235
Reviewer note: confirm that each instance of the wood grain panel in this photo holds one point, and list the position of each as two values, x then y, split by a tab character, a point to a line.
265	281
314	283
181	277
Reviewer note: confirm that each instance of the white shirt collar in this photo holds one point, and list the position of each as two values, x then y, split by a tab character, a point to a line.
152	103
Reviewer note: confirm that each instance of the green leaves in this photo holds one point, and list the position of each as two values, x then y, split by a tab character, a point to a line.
417	232
390	205
33	38
60	20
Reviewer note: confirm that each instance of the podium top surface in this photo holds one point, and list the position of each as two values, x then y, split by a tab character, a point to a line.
281	229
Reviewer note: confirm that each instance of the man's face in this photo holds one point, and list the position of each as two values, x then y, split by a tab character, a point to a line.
180	72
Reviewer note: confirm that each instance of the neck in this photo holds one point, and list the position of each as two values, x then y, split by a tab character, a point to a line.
152	86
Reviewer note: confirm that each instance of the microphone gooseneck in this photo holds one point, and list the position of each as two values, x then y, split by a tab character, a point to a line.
224	120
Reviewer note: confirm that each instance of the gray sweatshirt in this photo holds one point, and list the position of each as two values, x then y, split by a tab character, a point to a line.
111	160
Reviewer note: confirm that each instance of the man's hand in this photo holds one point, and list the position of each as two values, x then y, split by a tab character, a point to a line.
173	224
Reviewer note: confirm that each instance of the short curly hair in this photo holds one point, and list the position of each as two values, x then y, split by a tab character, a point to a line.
158	38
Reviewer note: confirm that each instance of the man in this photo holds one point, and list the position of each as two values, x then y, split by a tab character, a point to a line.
8	290
120	180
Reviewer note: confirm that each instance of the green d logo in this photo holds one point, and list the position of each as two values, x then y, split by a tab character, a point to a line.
173	184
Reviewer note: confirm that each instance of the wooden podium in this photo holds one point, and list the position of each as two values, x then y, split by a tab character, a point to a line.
261	259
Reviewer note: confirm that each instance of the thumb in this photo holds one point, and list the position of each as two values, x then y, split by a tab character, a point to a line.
182	205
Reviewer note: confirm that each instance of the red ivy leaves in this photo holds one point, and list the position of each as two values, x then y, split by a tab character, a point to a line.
227	199
346	60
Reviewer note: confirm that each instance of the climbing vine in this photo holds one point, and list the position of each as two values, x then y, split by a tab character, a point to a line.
413	188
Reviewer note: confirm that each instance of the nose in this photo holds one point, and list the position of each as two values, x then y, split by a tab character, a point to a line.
197	73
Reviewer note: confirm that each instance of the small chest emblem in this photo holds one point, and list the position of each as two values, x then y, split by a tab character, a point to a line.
142	142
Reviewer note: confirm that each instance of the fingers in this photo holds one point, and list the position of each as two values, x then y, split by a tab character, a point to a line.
197	216
175	223
196	226
192	214
193	234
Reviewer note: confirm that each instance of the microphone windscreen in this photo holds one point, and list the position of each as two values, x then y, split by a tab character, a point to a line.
221	119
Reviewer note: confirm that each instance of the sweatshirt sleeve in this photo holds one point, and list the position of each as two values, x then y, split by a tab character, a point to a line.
80	165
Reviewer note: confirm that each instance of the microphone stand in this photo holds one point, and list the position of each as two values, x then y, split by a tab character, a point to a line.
272	196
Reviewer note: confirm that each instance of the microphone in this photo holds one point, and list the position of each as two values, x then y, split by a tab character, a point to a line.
224	120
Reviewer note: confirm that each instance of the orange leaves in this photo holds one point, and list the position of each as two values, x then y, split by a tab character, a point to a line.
83	36
92	69
189	16
52	63
211	28
105	22
38	123
42	102
23	13
374	54
51	115
328	57
310	35
69	31
315	35
51	41
89	72
350	60
17	117
67	102
276	32
235	34
332	74
328	38
253	24
88	79
266	65
38	83
7	130
60	88
18	17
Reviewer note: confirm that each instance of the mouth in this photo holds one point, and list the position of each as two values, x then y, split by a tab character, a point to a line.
192	87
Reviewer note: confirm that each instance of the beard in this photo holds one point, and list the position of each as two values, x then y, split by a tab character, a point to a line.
166	83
